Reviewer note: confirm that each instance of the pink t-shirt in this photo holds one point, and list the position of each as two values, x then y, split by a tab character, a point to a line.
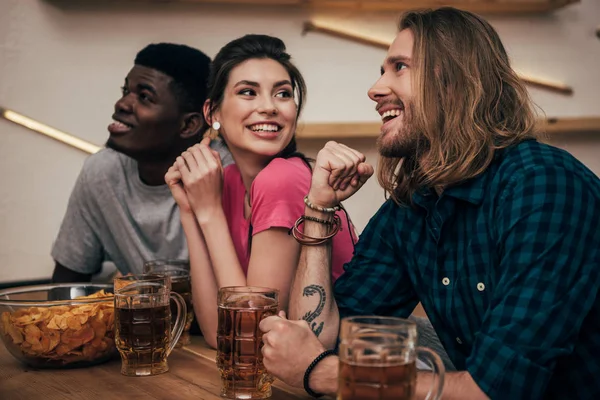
277	198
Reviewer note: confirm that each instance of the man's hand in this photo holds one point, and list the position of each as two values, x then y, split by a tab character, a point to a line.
202	177
339	172
289	348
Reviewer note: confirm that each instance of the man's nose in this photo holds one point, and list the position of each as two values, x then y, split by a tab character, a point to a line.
379	90
124	104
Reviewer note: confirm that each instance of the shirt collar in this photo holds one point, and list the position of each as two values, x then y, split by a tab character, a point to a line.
472	190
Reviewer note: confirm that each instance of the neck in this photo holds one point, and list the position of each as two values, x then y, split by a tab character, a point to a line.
153	173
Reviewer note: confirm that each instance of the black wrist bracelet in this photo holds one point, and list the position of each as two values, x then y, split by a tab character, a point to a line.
311	367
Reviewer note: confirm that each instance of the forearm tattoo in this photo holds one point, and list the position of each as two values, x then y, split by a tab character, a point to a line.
310	316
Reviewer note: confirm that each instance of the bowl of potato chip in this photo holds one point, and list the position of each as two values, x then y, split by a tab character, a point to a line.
63	325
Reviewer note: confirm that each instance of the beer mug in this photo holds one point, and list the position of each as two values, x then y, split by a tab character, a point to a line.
378	360
181	282
239	341
143	333
159	279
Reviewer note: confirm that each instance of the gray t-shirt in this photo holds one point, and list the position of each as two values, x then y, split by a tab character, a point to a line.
113	216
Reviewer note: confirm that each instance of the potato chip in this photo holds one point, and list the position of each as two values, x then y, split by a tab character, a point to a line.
15	334
52	324
83	318
62	349
57	310
33	334
63	321
89	351
37	347
85	334
99	328
73	322
54	338
97	342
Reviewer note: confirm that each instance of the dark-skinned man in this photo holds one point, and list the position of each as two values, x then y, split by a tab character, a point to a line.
121	210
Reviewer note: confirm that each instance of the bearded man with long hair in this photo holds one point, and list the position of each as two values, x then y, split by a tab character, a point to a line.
493	232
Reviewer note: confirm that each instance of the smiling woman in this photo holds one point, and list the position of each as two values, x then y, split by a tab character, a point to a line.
237	219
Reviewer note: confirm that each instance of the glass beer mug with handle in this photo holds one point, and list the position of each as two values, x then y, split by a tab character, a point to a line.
143	333
181	282
239	341
378	358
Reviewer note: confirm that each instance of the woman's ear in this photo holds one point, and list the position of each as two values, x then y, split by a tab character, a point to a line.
213	125
206	109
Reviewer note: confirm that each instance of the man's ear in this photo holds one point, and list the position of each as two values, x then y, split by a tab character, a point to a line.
192	122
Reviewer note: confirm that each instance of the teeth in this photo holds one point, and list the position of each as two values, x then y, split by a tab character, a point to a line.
391	113
264	127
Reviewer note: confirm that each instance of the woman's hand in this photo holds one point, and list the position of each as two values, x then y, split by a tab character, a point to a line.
202	177
173	179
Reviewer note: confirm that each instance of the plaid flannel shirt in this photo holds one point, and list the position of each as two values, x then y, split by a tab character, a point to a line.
507	267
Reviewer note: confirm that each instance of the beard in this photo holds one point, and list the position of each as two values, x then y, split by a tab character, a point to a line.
401	142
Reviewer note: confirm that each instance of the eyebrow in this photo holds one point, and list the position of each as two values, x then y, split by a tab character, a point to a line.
396	59
256	84
145	86
142	86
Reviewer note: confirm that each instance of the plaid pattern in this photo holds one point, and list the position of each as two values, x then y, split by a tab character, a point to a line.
507	267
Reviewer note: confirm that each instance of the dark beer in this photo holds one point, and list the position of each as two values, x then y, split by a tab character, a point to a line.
370	380
239	342
142	336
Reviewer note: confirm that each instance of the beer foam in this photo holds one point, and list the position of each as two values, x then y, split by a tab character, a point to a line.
379	360
253	301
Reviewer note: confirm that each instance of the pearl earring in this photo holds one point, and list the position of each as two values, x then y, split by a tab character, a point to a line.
216	125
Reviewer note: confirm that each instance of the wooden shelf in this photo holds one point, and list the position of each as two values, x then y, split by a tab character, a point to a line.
572	125
552	126
477	6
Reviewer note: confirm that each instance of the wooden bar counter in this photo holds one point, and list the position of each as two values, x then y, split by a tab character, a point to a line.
192	374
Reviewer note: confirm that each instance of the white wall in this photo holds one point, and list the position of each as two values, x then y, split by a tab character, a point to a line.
63	63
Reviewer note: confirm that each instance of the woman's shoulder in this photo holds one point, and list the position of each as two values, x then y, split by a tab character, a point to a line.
286	166
283	174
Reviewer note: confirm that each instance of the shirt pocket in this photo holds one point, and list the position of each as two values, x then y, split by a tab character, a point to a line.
470	300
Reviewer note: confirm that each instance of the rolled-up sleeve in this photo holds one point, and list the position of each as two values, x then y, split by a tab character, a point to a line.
549	241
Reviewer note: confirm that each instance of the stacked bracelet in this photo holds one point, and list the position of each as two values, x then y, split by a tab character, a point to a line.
319	208
306	240
312	365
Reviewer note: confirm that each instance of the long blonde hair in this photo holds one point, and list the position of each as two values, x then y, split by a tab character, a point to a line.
468	103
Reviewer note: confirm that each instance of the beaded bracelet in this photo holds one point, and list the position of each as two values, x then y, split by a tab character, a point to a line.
312	365
319	220
319	208
308	240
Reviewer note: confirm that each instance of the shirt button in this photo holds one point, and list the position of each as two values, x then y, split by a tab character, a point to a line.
480	286
458	340
446	281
